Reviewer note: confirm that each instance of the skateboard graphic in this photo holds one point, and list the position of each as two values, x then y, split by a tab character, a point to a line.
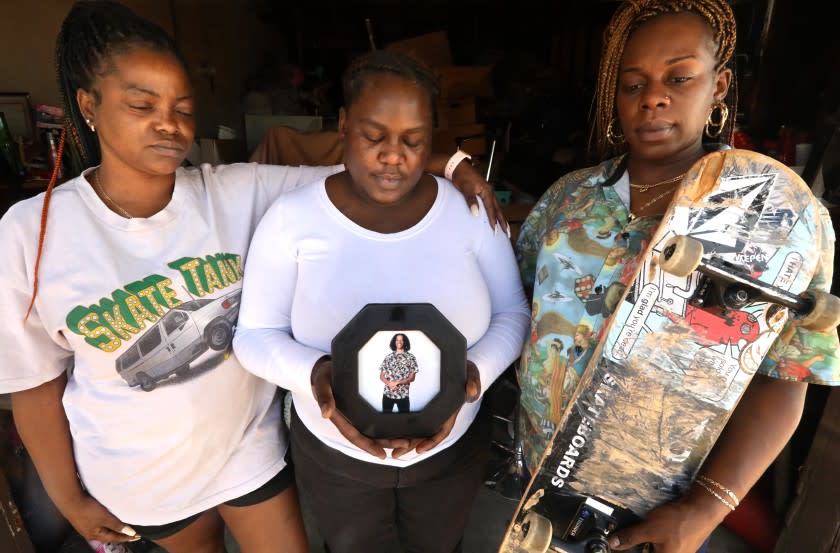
719	279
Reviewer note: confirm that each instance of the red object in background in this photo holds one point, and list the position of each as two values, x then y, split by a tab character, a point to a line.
742	140
755	522
770	148
787	145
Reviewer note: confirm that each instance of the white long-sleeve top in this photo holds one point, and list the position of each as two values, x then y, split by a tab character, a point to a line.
310	270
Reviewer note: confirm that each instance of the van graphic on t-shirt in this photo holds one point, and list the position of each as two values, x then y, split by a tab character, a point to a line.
180	337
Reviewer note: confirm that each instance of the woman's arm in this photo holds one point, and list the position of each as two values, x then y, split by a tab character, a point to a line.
510	316
470	183
761	425
43	427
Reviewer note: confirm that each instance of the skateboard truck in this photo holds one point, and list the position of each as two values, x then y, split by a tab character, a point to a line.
730	286
587	530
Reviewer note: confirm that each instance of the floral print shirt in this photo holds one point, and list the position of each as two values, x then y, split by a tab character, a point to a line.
577	251
398	365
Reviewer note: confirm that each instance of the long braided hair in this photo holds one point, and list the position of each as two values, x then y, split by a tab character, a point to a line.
93	32
629	16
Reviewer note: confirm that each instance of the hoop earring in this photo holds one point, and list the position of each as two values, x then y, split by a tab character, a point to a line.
613	137
720	123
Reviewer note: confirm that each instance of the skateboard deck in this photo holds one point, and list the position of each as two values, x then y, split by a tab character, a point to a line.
677	355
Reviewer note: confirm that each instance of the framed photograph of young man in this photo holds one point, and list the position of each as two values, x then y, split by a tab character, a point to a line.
399	370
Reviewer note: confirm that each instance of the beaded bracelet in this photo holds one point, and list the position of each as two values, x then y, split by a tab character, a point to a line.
720	487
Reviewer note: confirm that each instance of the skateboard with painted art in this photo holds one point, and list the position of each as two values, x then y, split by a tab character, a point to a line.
727	268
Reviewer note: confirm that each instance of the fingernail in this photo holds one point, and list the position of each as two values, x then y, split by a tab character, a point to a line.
508	231
474	209
614	541
129	531
496	229
135	538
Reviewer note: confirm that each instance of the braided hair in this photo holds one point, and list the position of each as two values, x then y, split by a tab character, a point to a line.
629	16
93	32
389	62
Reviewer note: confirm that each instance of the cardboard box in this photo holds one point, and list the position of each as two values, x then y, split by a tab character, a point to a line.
459	81
455	111
13	536
431	49
445	140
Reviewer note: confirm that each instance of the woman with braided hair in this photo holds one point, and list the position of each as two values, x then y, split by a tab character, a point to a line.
380	232
663	86
120	308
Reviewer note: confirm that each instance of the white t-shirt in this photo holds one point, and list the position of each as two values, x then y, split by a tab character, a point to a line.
311	269
147	303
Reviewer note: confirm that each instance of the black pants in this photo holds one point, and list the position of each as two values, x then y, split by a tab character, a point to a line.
403	405
360	506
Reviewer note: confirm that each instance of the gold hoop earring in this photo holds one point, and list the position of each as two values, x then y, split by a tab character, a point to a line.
613	137
715	128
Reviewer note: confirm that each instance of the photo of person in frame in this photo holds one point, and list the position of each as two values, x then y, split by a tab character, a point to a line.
374	380
397	371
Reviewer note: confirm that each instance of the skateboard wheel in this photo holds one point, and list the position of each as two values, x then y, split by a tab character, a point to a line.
536	533
825	314
681	255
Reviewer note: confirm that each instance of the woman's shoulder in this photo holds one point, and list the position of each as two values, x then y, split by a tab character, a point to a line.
452	198
27	213
593	175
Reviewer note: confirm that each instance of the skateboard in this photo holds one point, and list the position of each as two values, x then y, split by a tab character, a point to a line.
720	277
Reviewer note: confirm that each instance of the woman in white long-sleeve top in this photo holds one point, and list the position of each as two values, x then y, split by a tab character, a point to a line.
380	232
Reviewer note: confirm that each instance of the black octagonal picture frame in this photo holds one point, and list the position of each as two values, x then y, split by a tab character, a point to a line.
412	342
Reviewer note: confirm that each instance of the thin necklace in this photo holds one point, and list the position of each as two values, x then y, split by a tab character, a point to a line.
651	202
111	201
646	187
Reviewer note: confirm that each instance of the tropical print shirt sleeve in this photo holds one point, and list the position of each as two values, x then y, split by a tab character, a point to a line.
805	355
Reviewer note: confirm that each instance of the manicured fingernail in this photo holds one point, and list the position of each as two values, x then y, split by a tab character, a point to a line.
128	531
508	231
474	209
496	229
135	538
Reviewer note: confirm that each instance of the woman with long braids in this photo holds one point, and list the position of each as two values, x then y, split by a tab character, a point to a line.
120	291
663	85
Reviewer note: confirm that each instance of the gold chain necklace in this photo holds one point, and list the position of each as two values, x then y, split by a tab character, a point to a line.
651	202
646	187
111	201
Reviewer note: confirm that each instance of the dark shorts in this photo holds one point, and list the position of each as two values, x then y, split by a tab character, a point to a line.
273	487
